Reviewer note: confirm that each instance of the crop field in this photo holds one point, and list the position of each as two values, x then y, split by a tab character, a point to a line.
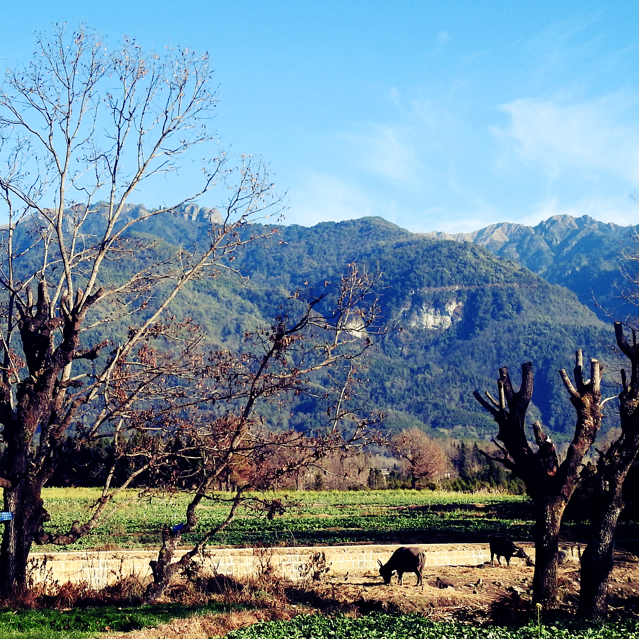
415	626
315	518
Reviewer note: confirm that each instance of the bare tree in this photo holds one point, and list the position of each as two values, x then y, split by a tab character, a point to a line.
422	457
549	484
81	128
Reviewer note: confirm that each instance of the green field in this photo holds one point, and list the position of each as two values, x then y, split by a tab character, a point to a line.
85	622
404	516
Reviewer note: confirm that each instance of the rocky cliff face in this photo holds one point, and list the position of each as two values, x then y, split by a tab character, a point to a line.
433	316
198	213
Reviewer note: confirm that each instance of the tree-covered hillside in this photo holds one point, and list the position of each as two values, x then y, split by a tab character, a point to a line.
455	313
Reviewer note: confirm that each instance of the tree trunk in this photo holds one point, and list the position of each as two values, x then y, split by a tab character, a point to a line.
546	535
22	498
596	566
24	501
163	567
13	559
598	559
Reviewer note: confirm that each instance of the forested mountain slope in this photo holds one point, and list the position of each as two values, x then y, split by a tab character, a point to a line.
456	313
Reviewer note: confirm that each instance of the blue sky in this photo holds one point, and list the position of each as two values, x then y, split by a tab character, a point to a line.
436	115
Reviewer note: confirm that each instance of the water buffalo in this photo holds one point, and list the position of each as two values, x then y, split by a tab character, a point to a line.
504	547
403	560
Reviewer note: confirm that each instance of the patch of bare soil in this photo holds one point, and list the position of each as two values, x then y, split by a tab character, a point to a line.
206	626
479	594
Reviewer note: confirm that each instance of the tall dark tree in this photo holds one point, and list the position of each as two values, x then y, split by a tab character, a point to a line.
549	484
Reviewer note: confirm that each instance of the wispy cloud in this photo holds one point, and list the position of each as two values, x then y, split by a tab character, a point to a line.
443	37
558	135
386	151
412	150
570	43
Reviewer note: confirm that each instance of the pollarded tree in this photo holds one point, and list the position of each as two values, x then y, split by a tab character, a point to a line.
549	484
81	128
612	469
421	456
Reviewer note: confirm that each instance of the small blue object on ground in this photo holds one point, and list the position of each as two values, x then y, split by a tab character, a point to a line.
178	528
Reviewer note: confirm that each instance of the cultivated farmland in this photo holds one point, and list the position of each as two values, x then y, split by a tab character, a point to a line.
478	595
407	516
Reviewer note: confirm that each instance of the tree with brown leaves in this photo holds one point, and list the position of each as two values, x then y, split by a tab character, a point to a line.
223	432
421	456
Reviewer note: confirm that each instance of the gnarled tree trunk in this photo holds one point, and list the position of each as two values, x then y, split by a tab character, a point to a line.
548	516
549	485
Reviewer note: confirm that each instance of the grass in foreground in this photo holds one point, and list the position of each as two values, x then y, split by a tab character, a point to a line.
78	623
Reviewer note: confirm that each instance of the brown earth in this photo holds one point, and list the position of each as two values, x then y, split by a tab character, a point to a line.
480	595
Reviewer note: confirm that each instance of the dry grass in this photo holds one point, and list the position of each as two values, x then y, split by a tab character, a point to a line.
205	626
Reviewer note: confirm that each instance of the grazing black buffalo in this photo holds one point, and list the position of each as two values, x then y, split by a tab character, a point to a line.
504	547
403	560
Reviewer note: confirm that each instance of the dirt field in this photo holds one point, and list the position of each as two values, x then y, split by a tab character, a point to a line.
479	595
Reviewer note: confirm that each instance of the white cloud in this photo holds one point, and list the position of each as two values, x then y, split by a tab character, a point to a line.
558	135
443	38
395	96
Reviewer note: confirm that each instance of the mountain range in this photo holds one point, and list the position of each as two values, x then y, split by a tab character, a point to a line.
458	308
581	254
